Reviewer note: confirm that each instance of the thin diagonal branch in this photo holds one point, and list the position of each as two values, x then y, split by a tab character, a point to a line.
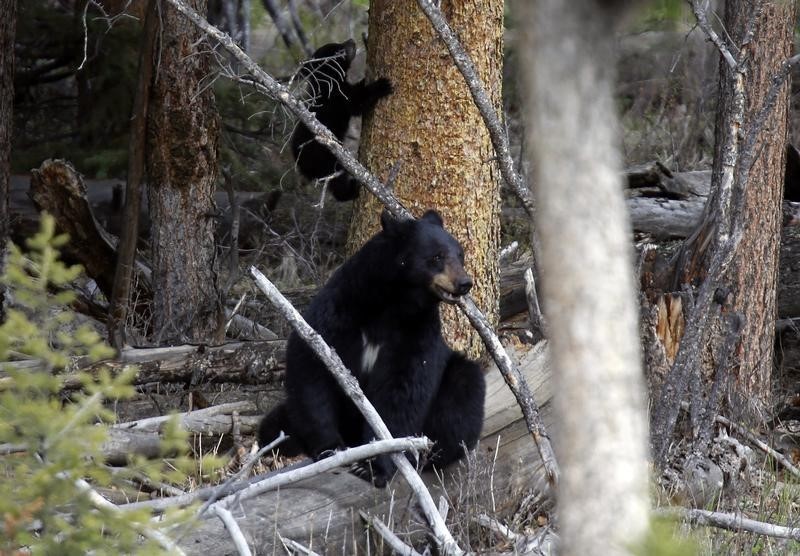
701	14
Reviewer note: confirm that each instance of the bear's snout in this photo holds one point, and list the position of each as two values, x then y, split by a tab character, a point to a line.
463	285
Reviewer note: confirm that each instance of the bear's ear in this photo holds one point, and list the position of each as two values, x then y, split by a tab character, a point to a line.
433	217
391	225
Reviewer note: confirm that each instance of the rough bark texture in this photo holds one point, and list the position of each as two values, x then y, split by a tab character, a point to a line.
182	168
587	277
753	286
56	187
7	27
432	127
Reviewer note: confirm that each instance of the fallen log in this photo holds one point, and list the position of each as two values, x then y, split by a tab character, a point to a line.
254	362
322	512
214	420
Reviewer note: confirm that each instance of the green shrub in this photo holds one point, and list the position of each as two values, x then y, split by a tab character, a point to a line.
51	457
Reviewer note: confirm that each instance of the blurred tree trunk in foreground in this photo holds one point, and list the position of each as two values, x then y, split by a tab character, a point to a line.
8	21
432	127
587	274
182	168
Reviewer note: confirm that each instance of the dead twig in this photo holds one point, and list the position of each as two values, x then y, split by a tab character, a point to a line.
295	546
395	543
518	385
760	444
731	522
233	530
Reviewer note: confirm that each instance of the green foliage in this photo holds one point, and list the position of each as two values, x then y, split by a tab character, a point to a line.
662	540
46	501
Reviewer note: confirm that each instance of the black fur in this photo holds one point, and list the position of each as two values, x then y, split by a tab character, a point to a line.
335	101
386	295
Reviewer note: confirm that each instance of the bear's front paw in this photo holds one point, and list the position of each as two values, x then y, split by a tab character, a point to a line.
365	471
382	87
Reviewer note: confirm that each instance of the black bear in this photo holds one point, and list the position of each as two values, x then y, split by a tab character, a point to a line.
334	101
380	312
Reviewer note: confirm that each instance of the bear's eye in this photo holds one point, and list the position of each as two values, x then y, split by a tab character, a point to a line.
437	258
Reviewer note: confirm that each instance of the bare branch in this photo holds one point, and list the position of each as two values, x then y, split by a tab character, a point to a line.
101	503
272	481
350	386
296	547
233	529
518	385
701	13
730	522
497	132
760	444
395	543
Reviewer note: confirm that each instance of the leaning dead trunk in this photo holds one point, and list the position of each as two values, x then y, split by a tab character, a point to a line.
587	276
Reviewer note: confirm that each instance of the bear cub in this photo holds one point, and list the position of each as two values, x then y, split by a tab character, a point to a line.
334	102
380	312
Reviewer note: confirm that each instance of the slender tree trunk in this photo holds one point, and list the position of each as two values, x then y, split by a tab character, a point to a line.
137	150
431	126
757	194
8	22
587	274
182	168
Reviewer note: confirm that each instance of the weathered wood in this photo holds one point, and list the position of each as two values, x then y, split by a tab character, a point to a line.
322	512
260	362
56	187
214	420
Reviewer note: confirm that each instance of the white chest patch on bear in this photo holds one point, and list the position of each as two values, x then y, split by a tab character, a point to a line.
370	354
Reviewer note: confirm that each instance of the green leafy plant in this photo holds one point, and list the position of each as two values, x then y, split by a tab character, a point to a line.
51	447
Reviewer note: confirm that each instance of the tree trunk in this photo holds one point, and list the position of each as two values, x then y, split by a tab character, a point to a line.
755	198
182	168
432	127
588	288
7	26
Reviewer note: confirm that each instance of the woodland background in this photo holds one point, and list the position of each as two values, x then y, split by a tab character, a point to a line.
222	194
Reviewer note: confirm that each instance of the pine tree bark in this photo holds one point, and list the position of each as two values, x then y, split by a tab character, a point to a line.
182	168
587	273
7	27
752	277
430	125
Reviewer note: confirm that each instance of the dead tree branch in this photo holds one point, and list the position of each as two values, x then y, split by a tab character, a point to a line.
395	543
237	492
350	386
730	522
518	385
701	14
233	529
